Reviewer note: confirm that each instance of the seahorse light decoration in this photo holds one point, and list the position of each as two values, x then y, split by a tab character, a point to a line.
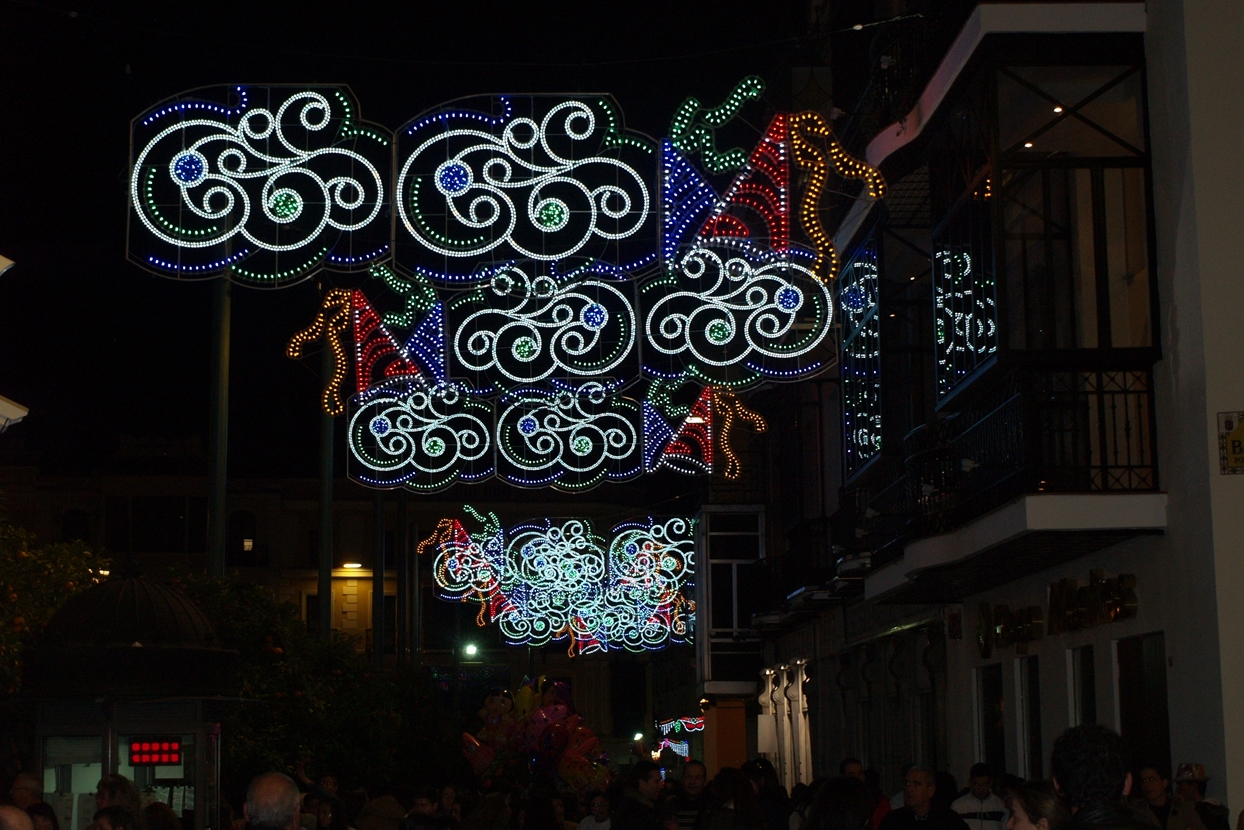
331	323
558	580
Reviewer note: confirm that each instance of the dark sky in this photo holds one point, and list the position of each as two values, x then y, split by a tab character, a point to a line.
98	348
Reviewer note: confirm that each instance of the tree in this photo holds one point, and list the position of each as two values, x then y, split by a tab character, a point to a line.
34	583
303	698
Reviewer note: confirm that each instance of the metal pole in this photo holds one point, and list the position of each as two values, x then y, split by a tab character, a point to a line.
416	612
402	554
377	584
326	509
218	461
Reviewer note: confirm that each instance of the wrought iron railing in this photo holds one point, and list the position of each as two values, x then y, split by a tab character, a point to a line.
1072	431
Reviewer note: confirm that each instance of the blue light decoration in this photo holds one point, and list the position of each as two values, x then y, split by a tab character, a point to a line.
557	580
861	358
536	277
264	184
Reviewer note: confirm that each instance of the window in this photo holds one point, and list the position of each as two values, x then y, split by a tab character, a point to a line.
734	548
990	728
1028	720
1143	719
1081	687
240	538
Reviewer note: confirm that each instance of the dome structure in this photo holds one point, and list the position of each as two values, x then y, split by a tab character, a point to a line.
129	636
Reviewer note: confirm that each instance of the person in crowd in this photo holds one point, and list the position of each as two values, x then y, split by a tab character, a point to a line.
115	817
772	795
448	808
920	808
692	801
382	813
1036	806
272	802
1008	786
323	789
899	798
309	817
422	815
540	814
14	818
736	803
559	812
597	817
1088	771
332	815
854	768
843	803
980	807
44	817
493	813
1191	810
637	809
1154	805
116	790
27	790
159	816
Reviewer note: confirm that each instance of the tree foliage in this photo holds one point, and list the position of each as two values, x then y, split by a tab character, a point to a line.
303	698
35	581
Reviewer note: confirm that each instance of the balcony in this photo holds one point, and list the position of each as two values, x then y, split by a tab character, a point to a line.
1038	433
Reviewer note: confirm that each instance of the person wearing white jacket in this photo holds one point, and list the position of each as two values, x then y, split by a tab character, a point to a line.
980	807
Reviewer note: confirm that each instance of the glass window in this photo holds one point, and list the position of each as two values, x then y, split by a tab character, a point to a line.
1028	698
736	584
1127	257
72	767
1070	111
1081	687
990	728
170	783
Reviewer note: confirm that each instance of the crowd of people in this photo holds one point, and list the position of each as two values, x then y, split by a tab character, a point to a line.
1090	788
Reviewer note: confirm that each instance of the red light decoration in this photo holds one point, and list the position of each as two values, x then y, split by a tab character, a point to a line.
163	751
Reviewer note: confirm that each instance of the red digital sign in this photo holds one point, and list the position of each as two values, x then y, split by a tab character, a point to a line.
155	751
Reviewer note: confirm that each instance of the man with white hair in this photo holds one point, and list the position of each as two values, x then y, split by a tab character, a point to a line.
11	818
272	802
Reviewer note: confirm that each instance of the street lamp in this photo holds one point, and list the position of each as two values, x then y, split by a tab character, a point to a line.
471	650
10	411
5	264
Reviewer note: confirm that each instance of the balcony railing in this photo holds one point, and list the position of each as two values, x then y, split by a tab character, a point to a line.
1067	431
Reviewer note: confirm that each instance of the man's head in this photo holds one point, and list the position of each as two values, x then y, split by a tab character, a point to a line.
14	818
26	790
919	785
1190	782
981	780
425	801
851	768
694	777
648	780
328	783
114	818
272	802
1155	783
1087	766
598	805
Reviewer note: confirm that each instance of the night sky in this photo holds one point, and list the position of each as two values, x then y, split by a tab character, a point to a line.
100	349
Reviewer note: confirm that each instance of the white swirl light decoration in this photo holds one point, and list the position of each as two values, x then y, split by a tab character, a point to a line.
529	330
965	318
571	439
725	318
282	180
424	436
542	187
559	581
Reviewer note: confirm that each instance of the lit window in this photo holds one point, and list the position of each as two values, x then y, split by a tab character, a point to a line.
248	544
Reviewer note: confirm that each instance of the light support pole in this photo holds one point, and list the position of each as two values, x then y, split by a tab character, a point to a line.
218	454
326	509
377	584
401	553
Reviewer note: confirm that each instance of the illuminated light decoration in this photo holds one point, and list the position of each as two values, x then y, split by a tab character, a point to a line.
331	323
680	748
520	329
690	451
571	439
727	410
155	751
677	725
692	128
657	435
965	317
550	180
426	345
421	435
417	294
861	358
557	580
686	200
266	192
811	157
736	321
377	357
762	189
